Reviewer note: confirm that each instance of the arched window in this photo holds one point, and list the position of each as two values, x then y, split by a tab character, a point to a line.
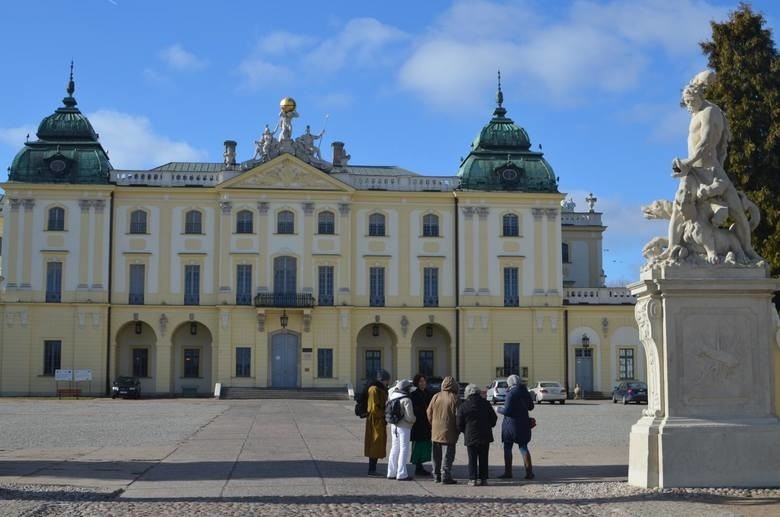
511	226
138	221
326	223
285	275
565	253
430	225
285	222
244	220
376	225
193	222
56	219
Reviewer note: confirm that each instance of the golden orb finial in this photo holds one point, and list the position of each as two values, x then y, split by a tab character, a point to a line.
287	104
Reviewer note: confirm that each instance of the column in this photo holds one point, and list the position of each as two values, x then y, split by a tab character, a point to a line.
308	238
223	264
261	351
27	233
163	381
14	229
345	278
308	361
539	251
263	238
224	349
469	260
84	237
484	260
99	247
553	260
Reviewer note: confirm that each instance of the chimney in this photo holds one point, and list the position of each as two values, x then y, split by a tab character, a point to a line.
340	156
230	153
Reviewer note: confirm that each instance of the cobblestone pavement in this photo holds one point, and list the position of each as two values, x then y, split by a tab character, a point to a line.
204	457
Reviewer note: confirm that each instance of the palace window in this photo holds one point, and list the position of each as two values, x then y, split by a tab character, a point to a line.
377	287
244	221
511	289
138	221
326	223
137	283
430	225
376	225
425	363
244	284
564	253
431	287
626	363
373	362
56	221
325	285
193	222
191	362
53	282
511	225
325	363
191	284
52	351
243	361
511	359
285	222
140	362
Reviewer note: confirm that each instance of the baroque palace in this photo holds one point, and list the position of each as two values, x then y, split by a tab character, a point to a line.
290	271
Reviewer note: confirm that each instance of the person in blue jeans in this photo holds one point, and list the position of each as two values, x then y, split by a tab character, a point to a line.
516	428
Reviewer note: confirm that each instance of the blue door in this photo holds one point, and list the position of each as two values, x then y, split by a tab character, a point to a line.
583	368
284	361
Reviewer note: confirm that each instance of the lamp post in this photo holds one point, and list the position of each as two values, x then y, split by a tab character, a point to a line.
585	341
284	319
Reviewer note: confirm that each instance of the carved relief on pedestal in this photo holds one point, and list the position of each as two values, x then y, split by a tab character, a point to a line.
648	312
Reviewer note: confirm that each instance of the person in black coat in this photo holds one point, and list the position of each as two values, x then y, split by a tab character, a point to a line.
421	431
516	428
476	420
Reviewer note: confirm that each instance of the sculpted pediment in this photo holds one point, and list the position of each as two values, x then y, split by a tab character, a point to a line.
286	173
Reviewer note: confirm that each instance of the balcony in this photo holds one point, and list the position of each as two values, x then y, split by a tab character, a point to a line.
598	296
53	297
135	299
284	300
243	299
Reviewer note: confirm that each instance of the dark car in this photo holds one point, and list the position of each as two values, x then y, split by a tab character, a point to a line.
127	387
434	384
630	391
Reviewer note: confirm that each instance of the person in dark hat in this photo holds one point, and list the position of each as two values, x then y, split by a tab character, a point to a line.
421	430
516	428
375	442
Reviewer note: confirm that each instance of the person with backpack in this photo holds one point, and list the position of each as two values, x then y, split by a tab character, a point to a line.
375	440
516	427
444	430
476	420
399	413
421	430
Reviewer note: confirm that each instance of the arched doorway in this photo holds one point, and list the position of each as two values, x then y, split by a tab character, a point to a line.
192	343
136	345
431	351
284	361
376	348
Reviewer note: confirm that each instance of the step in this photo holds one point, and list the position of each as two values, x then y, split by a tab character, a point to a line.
281	393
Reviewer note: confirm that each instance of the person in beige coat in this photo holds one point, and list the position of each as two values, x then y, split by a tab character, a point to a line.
375	442
444	429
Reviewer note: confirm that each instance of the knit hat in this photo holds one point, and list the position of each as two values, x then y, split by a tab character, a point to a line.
513	380
405	386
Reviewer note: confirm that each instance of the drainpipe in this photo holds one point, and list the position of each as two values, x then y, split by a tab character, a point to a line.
110	277
457	292
566	350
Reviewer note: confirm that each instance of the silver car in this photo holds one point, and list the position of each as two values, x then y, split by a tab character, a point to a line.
548	391
496	391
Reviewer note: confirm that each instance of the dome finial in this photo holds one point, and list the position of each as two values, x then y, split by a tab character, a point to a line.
499	94
69	101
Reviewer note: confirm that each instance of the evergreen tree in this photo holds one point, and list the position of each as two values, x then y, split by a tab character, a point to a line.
743	55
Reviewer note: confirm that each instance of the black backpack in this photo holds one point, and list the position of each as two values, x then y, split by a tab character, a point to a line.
394	411
361	403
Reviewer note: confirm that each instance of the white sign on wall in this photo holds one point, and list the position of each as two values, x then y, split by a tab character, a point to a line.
82	375
63	375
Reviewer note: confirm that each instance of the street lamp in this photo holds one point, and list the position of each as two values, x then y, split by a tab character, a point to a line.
284	319
585	341
375	330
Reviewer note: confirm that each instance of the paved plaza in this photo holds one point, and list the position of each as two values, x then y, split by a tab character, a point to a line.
288	457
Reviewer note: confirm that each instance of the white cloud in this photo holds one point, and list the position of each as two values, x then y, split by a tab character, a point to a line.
580	50
16	136
282	42
667	124
362	41
258	73
180	59
335	101
133	144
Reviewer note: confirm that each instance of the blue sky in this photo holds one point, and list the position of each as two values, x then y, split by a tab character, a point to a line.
406	83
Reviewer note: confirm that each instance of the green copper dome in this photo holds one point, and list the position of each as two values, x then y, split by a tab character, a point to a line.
501	159
67	149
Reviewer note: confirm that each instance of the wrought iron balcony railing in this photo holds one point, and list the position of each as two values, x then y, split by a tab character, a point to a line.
511	301
430	301
284	300
325	299
191	298
53	297
135	299
243	299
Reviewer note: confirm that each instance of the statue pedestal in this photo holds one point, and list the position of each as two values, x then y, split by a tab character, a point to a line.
708	335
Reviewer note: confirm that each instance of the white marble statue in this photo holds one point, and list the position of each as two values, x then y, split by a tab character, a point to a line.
305	144
706	197
285	123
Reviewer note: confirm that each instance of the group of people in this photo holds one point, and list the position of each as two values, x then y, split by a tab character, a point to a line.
425	427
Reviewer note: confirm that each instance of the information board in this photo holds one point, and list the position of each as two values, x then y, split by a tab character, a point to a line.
63	375
82	375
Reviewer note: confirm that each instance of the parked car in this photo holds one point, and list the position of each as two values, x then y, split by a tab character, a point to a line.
127	387
630	391
434	384
548	391
496	391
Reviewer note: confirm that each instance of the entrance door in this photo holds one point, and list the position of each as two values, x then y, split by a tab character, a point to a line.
284	361
583	368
